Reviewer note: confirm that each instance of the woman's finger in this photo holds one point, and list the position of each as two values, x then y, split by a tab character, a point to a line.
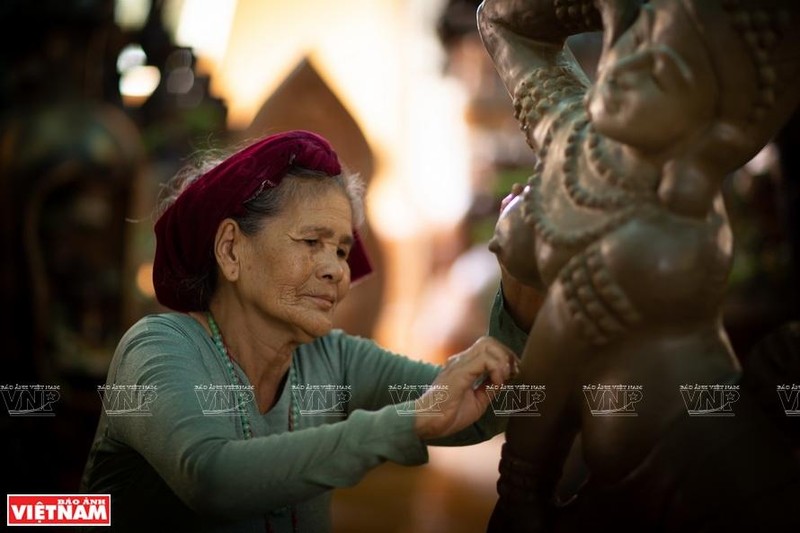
501	365
516	190
486	361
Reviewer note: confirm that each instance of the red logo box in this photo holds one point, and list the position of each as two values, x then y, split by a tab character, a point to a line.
58	509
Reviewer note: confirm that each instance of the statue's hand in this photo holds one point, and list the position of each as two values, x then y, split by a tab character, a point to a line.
544	21
617	17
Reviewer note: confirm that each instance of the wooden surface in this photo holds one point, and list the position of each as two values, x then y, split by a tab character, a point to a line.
454	492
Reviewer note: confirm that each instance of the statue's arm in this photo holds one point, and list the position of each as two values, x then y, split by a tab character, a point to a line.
522	36
526	42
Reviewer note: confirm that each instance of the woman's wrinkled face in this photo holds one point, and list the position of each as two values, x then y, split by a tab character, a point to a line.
646	94
294	270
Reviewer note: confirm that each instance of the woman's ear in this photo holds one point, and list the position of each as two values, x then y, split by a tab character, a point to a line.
227	249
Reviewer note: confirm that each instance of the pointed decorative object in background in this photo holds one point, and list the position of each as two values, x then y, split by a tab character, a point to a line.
305	101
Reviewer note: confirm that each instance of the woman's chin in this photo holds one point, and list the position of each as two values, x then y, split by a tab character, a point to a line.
314	329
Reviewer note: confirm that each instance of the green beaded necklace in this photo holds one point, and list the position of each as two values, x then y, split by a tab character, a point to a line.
228	360
246	427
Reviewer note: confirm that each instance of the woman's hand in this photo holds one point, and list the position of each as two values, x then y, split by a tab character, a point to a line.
516	190
458	397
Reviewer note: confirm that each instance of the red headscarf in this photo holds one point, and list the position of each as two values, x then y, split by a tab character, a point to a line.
185	231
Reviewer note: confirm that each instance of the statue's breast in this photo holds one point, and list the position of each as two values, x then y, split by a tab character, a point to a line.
585	188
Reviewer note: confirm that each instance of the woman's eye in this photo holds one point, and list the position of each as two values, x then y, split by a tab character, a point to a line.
342	253
311	242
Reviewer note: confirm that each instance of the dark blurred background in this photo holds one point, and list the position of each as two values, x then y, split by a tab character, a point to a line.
83	159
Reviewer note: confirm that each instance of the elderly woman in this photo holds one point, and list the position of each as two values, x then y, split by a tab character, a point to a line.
254	257
623	224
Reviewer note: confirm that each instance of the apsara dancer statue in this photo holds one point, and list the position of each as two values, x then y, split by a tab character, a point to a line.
622	224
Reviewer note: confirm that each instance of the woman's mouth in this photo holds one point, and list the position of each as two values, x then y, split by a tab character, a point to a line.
323	301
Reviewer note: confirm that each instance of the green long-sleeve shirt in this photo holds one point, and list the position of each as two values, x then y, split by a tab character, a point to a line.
173	454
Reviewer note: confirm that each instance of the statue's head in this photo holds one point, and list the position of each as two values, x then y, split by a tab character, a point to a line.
715	78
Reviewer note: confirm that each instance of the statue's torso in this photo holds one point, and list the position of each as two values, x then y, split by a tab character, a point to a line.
642	285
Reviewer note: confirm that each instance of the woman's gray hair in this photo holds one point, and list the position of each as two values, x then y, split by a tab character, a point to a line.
294	185
266	204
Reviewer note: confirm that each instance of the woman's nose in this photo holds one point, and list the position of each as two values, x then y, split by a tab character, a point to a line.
331	266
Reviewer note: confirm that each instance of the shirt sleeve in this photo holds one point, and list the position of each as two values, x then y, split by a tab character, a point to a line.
379	377
215	473
503	328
